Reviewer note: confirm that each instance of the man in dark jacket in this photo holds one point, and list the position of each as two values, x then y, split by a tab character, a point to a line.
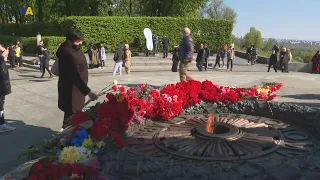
5	89
273	61
73	76
165	45
118	58
185	54
201	58
276	48
207	50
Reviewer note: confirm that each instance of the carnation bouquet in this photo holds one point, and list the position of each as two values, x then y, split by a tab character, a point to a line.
74	153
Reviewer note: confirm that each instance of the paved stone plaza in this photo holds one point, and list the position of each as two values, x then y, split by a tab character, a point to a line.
32	107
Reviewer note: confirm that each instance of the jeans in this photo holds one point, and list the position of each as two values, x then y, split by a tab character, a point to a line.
117	66
41	64
155	48
222	59
13	62
230	61
102	63
2	98
165	52
200	66
286	67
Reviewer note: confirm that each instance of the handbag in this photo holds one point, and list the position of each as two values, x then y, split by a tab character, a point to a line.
55	67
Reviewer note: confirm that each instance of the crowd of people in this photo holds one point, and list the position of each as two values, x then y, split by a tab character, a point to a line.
15	54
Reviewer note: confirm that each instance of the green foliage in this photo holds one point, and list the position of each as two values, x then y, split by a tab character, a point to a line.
269	44
115	30
216	9
253	38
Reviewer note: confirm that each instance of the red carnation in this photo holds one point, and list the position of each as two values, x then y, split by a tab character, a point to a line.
76	169
80	117
121	89
42	176
91	171
48	164
34	177
66	170
114	87
37	166
142	86
117	138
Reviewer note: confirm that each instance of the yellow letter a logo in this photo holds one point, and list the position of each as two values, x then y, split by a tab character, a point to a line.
29	11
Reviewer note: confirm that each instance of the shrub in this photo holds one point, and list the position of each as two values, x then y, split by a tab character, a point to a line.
114	30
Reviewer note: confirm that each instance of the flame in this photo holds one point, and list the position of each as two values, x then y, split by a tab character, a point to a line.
210	124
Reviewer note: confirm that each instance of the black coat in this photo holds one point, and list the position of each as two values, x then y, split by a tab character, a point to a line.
118	55
45	58
5	86
273	59
73	78
201	55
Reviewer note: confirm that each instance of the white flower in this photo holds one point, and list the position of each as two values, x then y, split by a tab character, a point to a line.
115	82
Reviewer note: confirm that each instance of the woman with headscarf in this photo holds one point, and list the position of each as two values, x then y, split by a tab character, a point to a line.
127	58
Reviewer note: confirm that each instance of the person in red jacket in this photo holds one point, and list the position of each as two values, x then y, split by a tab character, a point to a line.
315	64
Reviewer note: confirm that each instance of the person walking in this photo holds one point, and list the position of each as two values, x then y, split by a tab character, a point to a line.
102	55
281	56
40	54
223	54
217	59
45	62
95	58
201	58
127	58
186	51
5	89
207	50
118	58
19	53
90	52
73	76
286	61
314	61
11	56
155	41
165	45
230	58
273	61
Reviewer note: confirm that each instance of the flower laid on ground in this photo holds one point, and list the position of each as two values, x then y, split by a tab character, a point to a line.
107	122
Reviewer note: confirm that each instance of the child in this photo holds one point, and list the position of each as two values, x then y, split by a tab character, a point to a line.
273	61
102	55
175	59
217	60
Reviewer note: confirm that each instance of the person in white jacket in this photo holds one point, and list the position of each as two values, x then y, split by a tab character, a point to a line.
102	55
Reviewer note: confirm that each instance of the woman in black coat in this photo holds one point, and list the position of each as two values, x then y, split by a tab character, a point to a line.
273	61
45	62
5	89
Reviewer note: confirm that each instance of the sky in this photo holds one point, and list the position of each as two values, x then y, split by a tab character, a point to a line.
284	19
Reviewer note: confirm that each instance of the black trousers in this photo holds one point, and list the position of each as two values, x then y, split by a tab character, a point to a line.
165	52
66	117
2	98
217	63
274	67
205	63
174	67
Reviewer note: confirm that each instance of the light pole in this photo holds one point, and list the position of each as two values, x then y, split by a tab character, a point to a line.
38	38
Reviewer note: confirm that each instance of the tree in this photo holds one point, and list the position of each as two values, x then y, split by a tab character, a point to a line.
253	38
181	8
269	44
216	9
